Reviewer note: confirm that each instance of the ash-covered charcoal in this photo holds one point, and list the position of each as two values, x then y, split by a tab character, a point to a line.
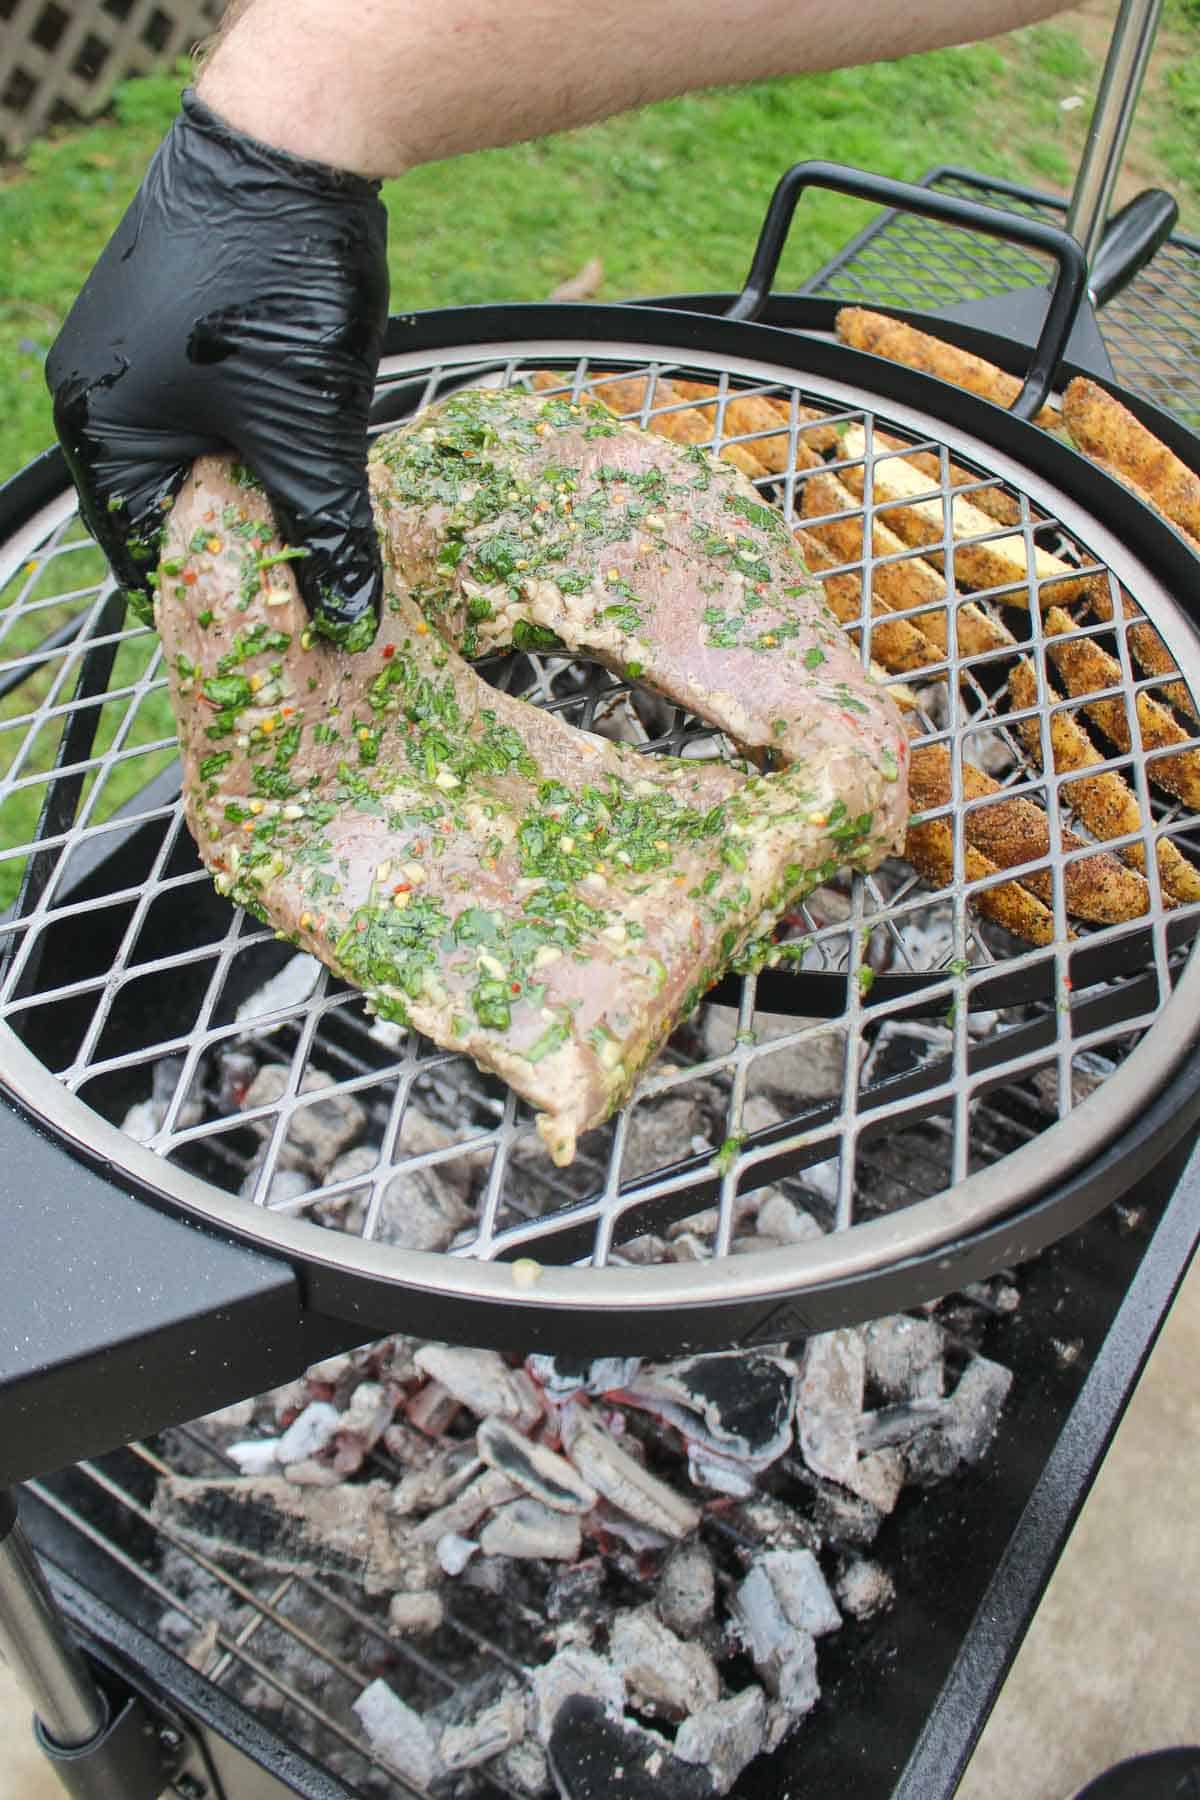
574	1673
318	1130
967	1424
588	1746
899	1424
800	1590
417	1614
767	1522
667	1126
809	1064
685	1595
624	1483
664	1676
844	1518
462	1514
726	1737
308	1433
904	1357
297	1530
146	1118
525	1528
398	1733
482	1381
864	1588
734	1408
546	1476
479	1722
442	1473
525	1770
284	991
828	1410
782	1220
784	1654
562	1376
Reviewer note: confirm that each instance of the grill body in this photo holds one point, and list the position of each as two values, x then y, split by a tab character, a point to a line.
311	1288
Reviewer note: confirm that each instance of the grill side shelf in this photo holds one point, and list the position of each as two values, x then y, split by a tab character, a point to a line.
118	1320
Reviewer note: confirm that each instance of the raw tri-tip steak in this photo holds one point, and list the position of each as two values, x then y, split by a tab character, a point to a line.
542	899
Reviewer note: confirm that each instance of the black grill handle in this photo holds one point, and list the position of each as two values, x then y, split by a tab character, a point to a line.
1130	239
1034	234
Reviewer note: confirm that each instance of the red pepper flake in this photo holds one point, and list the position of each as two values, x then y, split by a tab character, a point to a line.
286	711
402	887
190	577
389	650
516	987
360	924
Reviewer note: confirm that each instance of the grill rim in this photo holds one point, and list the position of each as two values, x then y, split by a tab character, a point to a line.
765	1281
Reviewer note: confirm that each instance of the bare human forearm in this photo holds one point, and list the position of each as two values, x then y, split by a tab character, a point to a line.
382	85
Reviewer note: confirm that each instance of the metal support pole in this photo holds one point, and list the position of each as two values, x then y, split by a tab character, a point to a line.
35	1643
1120	85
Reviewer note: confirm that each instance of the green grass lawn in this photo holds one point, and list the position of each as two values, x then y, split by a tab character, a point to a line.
669	197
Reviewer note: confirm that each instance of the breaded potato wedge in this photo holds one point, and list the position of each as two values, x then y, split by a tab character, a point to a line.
1108	431
897	643
1015	830
897	585
1148	648
918	518
929	847
1086	669
1104	802
865	330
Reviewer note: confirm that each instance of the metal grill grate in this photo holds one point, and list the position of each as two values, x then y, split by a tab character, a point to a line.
120	955
1151	329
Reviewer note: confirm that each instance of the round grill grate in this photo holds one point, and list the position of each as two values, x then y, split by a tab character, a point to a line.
914	1070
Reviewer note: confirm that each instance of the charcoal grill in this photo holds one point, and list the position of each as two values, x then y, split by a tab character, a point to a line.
120	956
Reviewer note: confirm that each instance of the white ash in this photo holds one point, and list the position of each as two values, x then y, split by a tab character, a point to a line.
482	1381
968	1424
797	1590
417	1614
546	1476
827	1413
317	1131
460	1515
255	1456
308	1433
397	1733
525	1769
784	1654
687	1587
560	1377
454	1552
493	1727
726	1737
286	990
572	1672
864	1588
809	1063
664	1676
904	1357
525	1528
628	1487
146	1118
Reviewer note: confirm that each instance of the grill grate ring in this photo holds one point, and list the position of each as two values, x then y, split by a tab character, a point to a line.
99	1028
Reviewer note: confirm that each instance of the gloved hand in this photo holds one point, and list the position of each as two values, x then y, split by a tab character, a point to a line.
239	305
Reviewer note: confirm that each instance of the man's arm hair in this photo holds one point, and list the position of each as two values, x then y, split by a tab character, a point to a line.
378	86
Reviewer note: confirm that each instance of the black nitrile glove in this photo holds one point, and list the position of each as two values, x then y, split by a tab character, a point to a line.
239	305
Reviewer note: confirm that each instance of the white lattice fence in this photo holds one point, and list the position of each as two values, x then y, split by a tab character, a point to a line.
61	59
